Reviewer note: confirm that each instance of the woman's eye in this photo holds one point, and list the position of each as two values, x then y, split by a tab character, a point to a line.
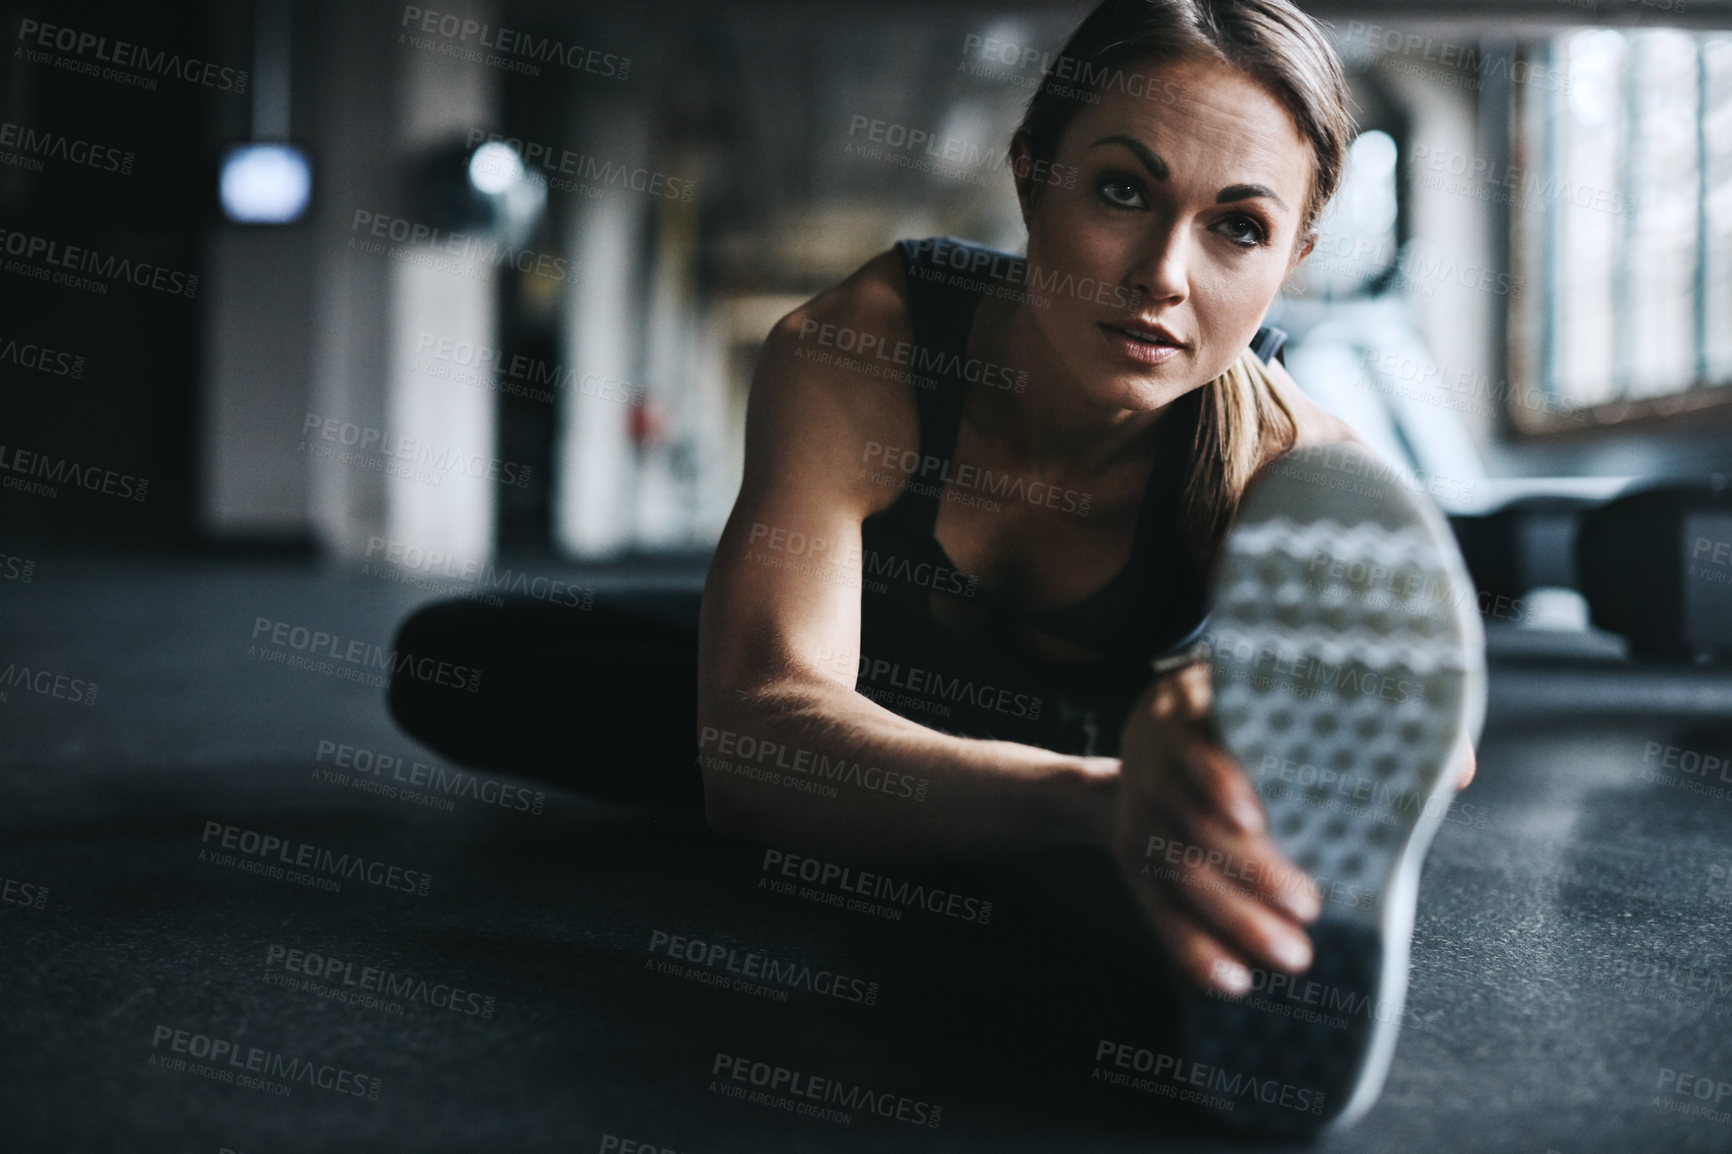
1242	230
1122	193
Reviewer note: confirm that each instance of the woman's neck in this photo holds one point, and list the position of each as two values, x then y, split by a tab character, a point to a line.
1052	424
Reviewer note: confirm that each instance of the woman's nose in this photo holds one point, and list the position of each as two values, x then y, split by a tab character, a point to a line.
1161	274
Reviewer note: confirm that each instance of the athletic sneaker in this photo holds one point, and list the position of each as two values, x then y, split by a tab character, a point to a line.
1348	669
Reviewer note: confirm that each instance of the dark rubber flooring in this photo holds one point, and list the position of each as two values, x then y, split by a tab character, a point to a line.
1572	976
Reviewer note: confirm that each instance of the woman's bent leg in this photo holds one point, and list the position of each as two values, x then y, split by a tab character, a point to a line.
602	701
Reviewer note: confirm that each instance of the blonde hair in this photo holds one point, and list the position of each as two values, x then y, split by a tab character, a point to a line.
1241	417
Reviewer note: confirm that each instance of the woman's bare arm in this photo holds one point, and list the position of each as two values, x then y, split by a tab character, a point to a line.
780	644
780	633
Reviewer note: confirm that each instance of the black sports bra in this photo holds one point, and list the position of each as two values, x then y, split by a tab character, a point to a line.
1153	605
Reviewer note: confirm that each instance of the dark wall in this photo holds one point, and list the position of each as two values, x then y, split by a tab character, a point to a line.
130	411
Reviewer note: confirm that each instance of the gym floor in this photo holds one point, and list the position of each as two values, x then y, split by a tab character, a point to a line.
1571	988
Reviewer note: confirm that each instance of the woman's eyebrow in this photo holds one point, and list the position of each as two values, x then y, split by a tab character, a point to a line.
1156	166
1159	170
1246	192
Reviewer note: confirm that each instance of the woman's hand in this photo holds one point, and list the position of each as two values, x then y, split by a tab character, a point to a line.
1188	834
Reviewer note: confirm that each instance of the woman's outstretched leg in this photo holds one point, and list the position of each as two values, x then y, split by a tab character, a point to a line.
600	700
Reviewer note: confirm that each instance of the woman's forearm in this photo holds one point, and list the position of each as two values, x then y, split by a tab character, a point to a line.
811	764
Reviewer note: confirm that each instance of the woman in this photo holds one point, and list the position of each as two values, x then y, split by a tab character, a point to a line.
982	494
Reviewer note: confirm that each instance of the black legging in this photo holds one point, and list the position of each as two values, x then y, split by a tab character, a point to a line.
603	701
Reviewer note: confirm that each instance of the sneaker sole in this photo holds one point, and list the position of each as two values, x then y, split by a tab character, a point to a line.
1348	669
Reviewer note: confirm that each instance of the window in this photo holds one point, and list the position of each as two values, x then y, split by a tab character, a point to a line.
1621	207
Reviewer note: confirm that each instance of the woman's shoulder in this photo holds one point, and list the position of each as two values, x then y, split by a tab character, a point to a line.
870	306
831	380
872	310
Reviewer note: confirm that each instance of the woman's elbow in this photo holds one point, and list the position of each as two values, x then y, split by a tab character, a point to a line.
729	814
737	805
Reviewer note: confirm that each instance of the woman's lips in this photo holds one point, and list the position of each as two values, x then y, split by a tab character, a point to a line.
1144	346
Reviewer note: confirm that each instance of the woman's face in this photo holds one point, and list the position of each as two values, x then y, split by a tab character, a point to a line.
1182	222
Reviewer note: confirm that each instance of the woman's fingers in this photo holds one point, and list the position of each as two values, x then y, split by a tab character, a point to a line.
1195	825
1199	955
1242	920
1225	811
1215	888
1253	863
1216	780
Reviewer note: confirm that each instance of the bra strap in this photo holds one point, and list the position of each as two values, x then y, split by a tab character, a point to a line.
940	312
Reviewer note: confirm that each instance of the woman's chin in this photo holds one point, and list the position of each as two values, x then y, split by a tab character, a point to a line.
1143	390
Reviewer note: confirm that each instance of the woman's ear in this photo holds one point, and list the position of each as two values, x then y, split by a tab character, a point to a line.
1302	247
